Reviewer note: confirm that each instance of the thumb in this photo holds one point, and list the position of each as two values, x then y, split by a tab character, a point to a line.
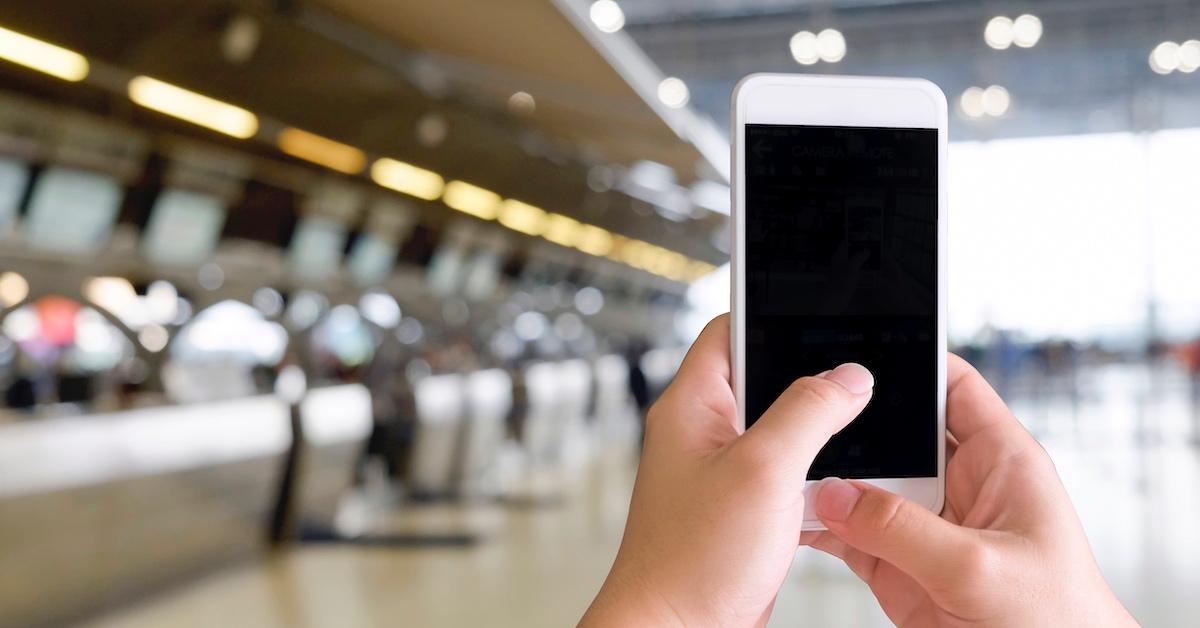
933	551
809	412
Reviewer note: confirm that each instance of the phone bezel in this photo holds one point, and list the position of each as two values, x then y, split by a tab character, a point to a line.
841	101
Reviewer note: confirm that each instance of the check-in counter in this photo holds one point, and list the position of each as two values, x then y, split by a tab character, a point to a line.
97	509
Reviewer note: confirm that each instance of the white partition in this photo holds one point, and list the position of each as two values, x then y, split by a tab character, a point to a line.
541	427
68	453
575	390
337	414
615	415
489	400
441	404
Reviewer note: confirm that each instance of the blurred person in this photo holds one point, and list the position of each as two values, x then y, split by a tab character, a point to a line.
639	386
715	517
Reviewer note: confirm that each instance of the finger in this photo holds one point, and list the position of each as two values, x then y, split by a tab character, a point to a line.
931	550
971	404
951	446
809	412
862	564
708	359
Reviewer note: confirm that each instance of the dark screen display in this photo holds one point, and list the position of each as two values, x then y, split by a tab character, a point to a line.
841	266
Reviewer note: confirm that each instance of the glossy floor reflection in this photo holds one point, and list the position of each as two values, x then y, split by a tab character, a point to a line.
1122	443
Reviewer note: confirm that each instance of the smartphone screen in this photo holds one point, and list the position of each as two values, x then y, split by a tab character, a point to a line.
841	266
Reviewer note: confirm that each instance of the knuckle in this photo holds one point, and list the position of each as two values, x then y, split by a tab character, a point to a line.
976	563
815	391
883	512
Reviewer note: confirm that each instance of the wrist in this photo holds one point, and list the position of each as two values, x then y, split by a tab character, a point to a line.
626	600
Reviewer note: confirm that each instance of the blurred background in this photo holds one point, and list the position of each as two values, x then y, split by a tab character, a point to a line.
347	312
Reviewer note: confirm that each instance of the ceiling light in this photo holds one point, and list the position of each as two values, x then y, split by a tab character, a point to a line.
971	102
13	289
594	241
1189	56
1166	57
471	199
192	107
561	230
407	178
521	103
607	16
996	101
673	92
804	48
1027	30
41	56
114	294
321	151
999	32
831	45
522	217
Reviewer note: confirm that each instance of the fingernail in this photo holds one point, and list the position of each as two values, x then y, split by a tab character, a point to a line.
853	377
836	499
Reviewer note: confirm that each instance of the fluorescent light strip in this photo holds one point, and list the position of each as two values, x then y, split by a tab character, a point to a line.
44	57
472	199
198	109
321	151
407	178
522	217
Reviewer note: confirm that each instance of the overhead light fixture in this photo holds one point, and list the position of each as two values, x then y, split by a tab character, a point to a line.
804	48
673	92
594	240
471	199
1026	30
971	102
407	178
697	269
607	16
13	289
187	105
321	150
522	217
999	32
831	45
1170	56
977	102
996	101
1189	56
562	230
521	103
44	57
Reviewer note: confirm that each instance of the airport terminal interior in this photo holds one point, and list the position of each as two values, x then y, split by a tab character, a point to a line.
348	312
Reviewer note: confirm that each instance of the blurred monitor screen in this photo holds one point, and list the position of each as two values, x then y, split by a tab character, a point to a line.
317	247
13	178
72	211
372	259
183	227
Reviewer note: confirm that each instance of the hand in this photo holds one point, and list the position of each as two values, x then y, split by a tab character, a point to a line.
1007	550
716	513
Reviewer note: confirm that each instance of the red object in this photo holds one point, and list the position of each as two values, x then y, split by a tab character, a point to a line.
57	317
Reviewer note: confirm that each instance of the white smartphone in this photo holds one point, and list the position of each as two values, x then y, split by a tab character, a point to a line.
839	255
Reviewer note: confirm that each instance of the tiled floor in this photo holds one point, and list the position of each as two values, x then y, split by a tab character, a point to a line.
1123	450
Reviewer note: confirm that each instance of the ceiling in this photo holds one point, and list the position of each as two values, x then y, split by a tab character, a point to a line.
368	72
1089	73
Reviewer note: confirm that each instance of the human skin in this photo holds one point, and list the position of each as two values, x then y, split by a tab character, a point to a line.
716	513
